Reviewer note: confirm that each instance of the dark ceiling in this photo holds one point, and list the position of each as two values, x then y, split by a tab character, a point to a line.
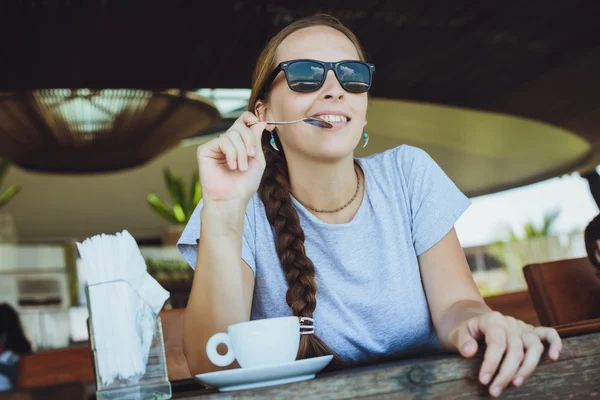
538	59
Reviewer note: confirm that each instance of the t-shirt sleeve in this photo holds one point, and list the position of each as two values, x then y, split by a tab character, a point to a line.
188	242
435	201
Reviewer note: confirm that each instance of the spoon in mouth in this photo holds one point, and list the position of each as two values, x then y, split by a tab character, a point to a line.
318	122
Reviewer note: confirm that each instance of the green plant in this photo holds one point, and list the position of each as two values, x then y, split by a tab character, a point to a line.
532	231
10	191
515	252
169	269
184	201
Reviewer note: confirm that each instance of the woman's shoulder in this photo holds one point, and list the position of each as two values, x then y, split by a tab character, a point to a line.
403	152
400	158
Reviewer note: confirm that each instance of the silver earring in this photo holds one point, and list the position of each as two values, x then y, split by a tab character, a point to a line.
366	139
273	145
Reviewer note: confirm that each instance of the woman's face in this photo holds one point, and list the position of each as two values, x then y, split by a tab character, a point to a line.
327	145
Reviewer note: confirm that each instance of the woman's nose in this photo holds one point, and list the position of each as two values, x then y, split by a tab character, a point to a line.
331	88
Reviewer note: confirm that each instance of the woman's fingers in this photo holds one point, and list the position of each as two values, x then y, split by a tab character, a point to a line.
246	140
518	345
495	338
243	140
236	144
226	147
242	154
247	118
551	336
534	349
256	129
512	360
463	340
247	137
232	165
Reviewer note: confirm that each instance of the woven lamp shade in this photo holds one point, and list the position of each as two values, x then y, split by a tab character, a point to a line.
85	131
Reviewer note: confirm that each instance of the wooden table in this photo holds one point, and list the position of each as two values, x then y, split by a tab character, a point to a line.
575	375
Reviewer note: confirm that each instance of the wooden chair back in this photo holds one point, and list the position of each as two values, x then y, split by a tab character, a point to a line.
48	368
564	291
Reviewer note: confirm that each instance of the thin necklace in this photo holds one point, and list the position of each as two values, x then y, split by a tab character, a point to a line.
337	209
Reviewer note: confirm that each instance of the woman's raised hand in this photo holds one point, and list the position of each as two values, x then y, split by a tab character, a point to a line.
231	165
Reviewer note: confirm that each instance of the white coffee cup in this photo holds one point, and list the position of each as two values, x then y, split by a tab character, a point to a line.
257	343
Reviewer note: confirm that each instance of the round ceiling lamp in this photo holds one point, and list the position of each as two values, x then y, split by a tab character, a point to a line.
86	131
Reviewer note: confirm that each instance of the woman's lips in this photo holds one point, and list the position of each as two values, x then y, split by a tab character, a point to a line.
337	118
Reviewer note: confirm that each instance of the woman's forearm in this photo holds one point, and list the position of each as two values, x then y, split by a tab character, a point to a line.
217	298
454	316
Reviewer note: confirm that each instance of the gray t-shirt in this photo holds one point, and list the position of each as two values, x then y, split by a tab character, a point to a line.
371	305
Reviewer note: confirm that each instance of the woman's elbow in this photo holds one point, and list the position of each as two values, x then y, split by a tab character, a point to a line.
197	361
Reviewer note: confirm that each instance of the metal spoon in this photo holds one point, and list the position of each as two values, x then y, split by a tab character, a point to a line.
318	122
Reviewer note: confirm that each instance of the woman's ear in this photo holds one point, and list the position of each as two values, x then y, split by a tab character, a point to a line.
262	112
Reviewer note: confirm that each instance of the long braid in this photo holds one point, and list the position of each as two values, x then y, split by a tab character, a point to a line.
274	191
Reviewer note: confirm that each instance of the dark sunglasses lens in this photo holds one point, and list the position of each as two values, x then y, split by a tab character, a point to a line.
305	76
354	77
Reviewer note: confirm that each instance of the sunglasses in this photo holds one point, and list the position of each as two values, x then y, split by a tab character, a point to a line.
306	76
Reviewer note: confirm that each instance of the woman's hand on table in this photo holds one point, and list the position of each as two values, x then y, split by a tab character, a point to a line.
513	349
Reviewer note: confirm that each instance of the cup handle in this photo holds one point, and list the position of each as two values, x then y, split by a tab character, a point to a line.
211	350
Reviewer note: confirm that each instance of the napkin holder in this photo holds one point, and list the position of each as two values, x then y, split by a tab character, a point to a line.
154	383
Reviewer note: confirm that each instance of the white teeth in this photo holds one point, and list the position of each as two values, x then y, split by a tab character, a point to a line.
334	118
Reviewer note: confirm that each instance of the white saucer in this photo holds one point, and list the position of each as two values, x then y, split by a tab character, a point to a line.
278	374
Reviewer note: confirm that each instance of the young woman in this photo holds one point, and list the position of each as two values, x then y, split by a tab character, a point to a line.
291	223
13	344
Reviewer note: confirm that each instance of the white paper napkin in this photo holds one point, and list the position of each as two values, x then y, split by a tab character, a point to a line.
124	300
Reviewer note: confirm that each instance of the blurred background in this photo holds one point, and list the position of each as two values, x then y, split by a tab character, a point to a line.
103	104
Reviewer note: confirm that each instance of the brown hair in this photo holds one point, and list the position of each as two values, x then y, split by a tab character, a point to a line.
591	234
274	191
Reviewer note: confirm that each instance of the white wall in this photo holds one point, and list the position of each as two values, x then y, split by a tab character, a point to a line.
55	207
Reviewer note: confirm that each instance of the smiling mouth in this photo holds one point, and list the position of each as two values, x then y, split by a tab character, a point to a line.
332	119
